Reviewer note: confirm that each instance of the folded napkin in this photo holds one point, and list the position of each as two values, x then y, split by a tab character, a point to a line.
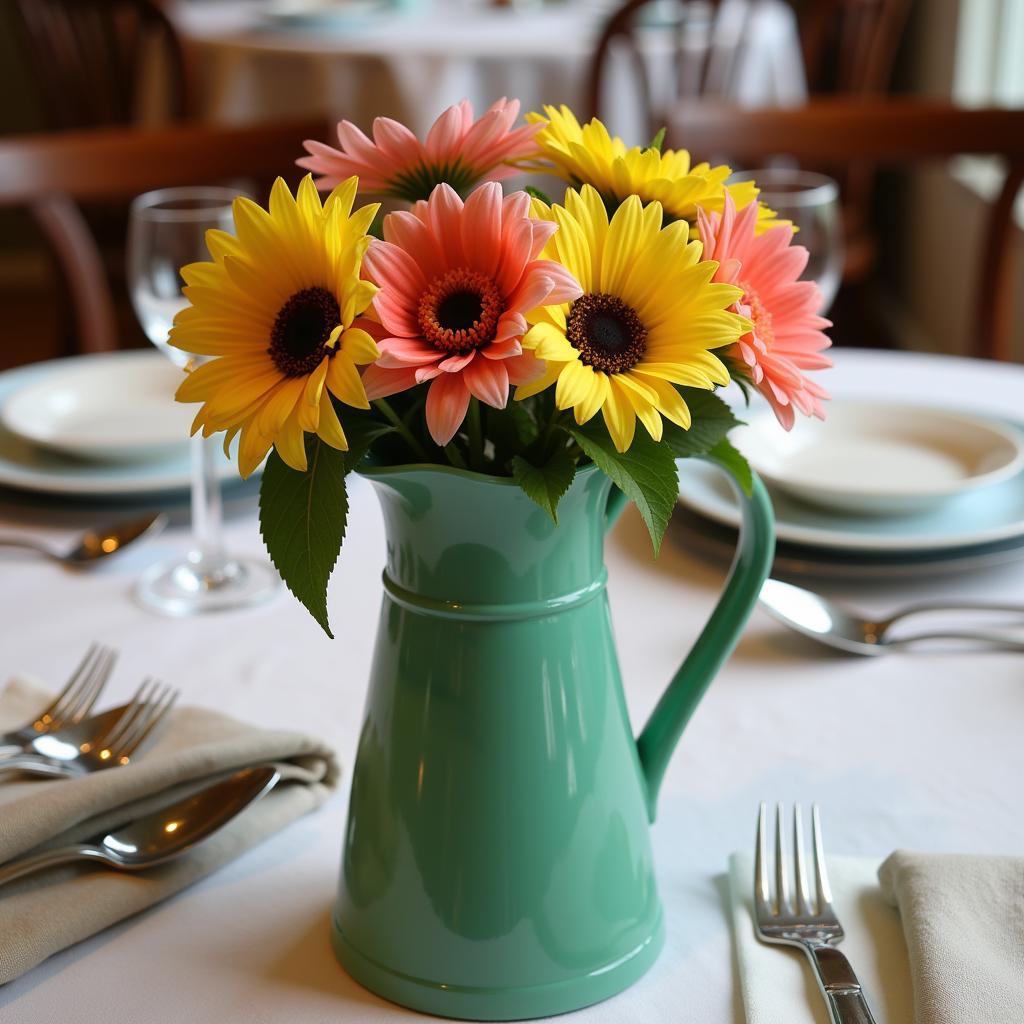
963	917
778	984
46	912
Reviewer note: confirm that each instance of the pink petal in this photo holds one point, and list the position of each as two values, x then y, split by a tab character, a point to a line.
524	368
396	353
447	402
481	229
502	349
488	381
380	382
444	138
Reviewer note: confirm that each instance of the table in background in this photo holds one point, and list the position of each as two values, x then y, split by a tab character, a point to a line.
410	65
916	750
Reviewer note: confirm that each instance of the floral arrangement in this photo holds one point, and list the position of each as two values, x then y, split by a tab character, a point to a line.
502	334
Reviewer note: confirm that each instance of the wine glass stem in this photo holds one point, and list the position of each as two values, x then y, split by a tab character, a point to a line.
207	511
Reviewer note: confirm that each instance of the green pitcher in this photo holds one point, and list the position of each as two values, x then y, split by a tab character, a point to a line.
497	860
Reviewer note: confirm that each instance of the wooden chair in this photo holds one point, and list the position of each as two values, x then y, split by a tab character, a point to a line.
887	132
51	174
87	57
694	74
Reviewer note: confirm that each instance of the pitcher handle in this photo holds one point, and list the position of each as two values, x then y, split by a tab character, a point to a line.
755	550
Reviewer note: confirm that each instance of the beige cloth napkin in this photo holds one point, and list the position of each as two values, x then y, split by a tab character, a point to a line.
777	983
44	913
963	918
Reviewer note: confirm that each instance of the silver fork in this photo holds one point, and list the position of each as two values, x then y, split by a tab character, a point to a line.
72	704
809	924
108	741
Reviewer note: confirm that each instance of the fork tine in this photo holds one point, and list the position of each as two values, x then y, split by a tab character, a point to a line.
762	885
132	710
157	710
57	709
803	898
86	696
820	872
781	865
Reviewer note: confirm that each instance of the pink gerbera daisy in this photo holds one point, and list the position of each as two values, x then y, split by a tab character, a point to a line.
457	150
787	337
456	280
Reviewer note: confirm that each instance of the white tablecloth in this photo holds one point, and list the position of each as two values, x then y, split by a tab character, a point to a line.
917	750
410	65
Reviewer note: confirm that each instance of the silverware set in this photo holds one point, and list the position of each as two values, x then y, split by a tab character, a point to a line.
795	913
63	742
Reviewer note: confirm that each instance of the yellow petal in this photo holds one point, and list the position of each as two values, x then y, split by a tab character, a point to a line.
619	417
344	382
330	429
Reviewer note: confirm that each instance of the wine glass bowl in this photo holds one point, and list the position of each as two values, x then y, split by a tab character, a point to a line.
811	202
167	230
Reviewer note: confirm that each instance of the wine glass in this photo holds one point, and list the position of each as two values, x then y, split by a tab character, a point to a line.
166	230
811	202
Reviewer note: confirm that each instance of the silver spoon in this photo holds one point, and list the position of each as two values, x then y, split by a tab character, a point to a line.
836	626
164	834
94	545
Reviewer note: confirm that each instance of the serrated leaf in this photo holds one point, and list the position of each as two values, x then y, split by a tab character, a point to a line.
547	483
646	472
712	420
734	462
659	140
302	520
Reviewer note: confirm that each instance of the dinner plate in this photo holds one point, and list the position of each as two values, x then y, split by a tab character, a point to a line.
881	458
109	407
30	468
986	516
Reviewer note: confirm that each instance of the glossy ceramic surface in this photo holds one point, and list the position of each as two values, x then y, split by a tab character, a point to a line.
497	862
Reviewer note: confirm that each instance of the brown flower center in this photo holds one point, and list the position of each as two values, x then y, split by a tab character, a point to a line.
762	318
459	312
300	330
607	333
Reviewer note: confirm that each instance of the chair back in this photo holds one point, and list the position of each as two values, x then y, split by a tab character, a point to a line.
886	132
672	48
87	58
849	45
51	174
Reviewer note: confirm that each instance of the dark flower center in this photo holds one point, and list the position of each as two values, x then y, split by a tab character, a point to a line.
459	312
303	325
606	332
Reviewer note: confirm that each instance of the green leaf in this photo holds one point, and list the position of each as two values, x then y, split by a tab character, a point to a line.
302	520
659	140
546	484
538	194
712	420
646	472
733	462
361	430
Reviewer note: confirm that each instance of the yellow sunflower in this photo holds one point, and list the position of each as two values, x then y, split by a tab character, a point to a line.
647	320
589	155
277	310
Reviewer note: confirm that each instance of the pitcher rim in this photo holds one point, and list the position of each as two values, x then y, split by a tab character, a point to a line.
376	472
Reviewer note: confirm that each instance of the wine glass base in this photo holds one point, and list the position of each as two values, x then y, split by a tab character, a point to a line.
194	585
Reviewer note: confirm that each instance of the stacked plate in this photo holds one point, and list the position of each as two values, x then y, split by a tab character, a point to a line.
96	426
878	489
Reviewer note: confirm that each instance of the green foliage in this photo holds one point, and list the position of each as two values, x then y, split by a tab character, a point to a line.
659	140
538	194
646	472
302	520
732	461
546	483
712	420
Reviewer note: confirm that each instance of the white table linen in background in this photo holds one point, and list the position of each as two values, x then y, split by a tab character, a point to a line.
914	750
411	65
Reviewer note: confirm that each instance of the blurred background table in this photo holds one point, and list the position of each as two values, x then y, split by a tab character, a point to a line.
917	750
411	64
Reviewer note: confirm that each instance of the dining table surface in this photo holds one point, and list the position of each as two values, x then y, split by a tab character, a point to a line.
409	61
918	749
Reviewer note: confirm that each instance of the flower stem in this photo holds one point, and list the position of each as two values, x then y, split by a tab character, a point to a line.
454	455
476	435
399	424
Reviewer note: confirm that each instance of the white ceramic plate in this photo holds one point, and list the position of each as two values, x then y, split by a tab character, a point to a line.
112	407
30	468
978	517
881	458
